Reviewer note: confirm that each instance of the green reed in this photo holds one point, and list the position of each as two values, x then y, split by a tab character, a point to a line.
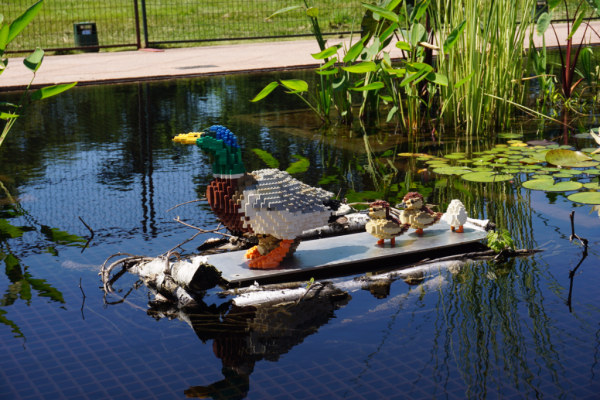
486	60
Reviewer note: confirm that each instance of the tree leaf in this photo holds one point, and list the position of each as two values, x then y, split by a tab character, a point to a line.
403	46
33	62
370	86
355	50
297	85
576	24
409	78
363	67
391	113
552	4
4	38
418	33
383	12
50	91
464	80
329	63
328	71
8	116
418	11
388	32
439	79
265	92
313	12
284	10
453	36
20	23
327	52
299	166
267	158
543	23
5	104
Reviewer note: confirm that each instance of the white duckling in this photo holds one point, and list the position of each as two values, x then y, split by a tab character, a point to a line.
456	216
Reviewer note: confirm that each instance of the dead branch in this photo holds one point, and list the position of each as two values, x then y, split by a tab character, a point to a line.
483	255
86	225
187	202
202	230
583	241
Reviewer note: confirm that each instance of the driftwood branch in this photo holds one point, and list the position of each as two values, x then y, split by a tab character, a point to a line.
91	231
202	230
187	202
572	276
583	241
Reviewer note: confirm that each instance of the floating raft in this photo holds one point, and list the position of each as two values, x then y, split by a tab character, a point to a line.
335	252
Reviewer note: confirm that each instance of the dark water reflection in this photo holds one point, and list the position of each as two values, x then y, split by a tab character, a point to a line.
104	154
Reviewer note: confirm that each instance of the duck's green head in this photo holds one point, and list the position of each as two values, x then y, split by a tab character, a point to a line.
219	142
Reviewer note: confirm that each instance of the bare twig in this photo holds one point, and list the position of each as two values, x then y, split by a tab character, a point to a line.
187	202
184	242
202	230
583	241
86	225
572	275
82	300
488	254
314	284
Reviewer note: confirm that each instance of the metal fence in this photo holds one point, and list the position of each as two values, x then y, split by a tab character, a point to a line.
148	23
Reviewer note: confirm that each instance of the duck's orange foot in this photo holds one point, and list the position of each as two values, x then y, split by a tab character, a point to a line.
452	228
253	253
272	259
460	229
381	242
393	242
420	232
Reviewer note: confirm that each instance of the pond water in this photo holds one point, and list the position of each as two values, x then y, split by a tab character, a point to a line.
104	154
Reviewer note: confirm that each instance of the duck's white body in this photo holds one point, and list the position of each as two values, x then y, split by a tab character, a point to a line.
282	206
456	215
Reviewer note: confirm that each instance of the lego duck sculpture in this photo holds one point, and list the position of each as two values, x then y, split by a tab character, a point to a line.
456	216
417	214
268	203
382	225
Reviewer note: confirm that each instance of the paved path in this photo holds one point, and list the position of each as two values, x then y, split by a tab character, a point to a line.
97	68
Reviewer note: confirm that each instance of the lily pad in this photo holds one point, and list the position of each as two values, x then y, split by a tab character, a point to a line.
595	157
589	150
592	172
531	161
486	177
532	167
592	185
518	145
537	176
509	135
454	156
566	158
583	136
481	163
510	170
550	169
423	158
548	185
585	197
514	141
561	175
541	143
464	161
451	171
571	171
486	169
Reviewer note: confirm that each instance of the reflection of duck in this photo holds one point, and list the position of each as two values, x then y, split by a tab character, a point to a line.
382	225
242	336
456	215
417	214
268	202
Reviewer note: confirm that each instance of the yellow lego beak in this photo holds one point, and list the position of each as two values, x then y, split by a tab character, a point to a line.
187	138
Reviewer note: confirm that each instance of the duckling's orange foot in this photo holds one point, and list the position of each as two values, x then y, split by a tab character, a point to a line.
272	259
393	242
452	228
253	253
420	232
460	229
381	242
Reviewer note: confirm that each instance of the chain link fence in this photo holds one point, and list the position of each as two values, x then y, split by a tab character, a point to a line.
148	23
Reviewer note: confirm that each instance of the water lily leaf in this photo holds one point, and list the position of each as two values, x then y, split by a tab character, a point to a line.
511	170
538	176
566	158
583	136
514	141
571	172
531	167
481	163
451	170
518	145
486	177
541	142
531	161
585	197
562	175
592	185
588	150
454	156
548	185
509	135
592	172
482	169
465	161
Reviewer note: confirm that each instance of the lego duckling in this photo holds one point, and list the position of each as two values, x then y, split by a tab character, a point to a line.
416	214
382	225
456	216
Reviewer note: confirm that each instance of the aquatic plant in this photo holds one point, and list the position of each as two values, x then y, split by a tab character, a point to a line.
499	240
8	32
485	66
